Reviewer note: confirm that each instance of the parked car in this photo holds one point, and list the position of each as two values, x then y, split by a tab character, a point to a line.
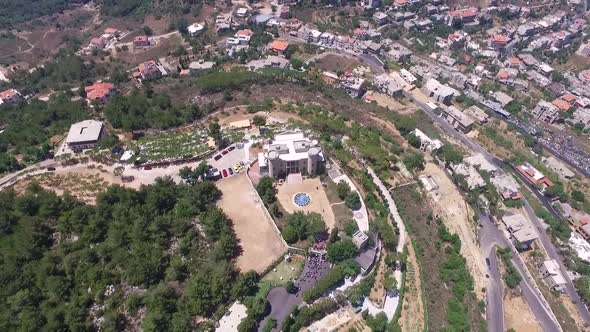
489	264
224	172
231	171
224	152
51	169
231	148
147	168
217	157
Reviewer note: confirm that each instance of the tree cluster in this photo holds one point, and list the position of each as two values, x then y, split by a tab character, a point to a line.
302	225
59	257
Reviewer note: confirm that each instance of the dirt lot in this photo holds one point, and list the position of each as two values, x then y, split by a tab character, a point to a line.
319	201
377	295
334	63
518	316
81	182
412	317
388	102
260	242
163	47
457	215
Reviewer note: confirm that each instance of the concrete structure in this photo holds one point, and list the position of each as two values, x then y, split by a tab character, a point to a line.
506	186
481	163
84	135
407	76
234	316
502	98
148	71
470	174
290	153
551	274
477	114
360	239
272	61
521	231
195	28
197	66
440	92
459	120
426	143
545	111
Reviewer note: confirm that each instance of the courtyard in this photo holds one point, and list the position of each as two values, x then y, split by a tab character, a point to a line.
260	241
318	200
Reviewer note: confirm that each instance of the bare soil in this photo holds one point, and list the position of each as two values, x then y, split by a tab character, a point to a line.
517	315
261	244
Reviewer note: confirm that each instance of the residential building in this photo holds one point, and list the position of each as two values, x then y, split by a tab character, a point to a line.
290	153
532	175
98	43
582	116
481	164
426	143
272	61
380	18
10	96
556	89
499	42
467	15
552	276
399	53
506	186
477	114
440	92
561	104
469	174
279	46
244	36
459	120
195	29
522	232
502	98
545	111
388	84
84	135
148	71
355	86
407	76
99	91
141	41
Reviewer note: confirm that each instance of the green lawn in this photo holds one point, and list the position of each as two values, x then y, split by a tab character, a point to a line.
285	270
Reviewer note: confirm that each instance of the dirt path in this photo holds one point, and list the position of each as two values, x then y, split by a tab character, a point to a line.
457	216
412	316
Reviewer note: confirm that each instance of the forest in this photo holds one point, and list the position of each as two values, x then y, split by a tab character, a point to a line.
164	250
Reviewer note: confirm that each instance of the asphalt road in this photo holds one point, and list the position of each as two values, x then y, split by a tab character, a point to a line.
496	237
490	237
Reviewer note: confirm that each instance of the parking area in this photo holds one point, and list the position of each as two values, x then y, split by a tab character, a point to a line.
234	154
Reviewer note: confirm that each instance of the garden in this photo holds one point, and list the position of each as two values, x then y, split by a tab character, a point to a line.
172	146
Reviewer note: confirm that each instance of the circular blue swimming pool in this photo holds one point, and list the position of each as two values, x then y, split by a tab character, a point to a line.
302	199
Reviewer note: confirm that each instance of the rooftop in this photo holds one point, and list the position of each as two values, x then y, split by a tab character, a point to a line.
85	131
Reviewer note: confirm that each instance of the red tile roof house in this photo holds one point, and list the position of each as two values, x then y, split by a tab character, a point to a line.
561	104
141	41
99	91
10	96
98	42
498	41
533	176
148	71
569	98
279	46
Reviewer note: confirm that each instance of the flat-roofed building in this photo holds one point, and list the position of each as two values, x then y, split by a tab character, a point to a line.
84	134
545	111
360	239
534	176
457	119
477	114
552	276
521	231
440	92
426	143
290	153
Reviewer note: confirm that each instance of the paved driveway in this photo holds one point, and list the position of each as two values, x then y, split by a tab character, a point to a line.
282	302
228	160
